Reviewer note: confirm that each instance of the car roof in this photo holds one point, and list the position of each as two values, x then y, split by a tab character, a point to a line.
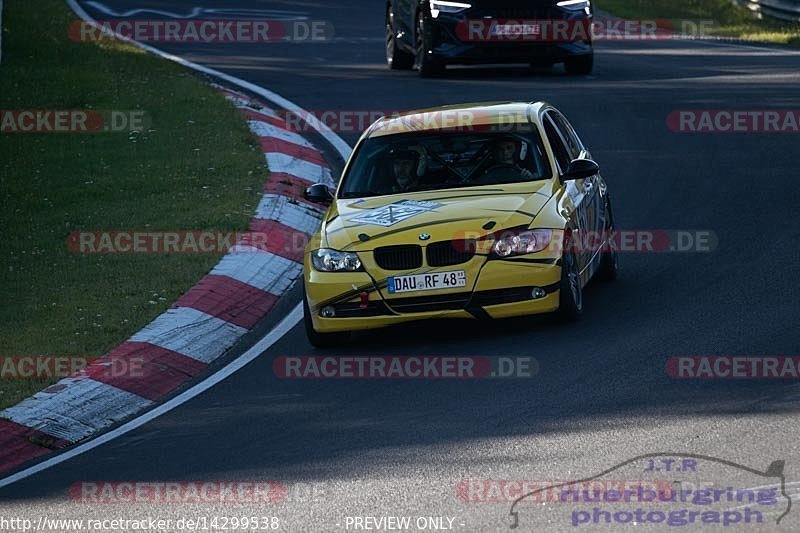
456	116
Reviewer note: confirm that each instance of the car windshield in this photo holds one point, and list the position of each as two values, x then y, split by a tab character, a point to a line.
416	161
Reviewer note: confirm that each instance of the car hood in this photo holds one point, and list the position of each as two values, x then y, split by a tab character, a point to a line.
366	223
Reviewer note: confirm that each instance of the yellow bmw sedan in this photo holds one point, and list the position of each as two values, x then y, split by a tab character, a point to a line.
472	211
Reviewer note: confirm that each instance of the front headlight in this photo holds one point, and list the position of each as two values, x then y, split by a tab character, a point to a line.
510	243
446	6
326	260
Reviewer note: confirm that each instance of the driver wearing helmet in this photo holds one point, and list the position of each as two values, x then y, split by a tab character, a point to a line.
504	153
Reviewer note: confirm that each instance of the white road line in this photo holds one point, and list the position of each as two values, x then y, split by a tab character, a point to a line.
261	346
271	338
196	11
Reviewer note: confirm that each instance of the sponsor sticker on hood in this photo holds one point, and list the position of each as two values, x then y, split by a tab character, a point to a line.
391	214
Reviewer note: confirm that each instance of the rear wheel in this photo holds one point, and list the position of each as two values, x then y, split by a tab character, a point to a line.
320	340
570	293
396	58
579	65
428	66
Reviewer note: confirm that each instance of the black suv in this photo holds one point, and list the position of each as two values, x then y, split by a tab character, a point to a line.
430	34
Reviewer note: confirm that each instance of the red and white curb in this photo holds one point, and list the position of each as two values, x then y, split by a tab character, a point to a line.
202	325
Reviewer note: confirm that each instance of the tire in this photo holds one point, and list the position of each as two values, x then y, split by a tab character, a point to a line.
396	58
427	66
579	65
609	260
571	293
320	340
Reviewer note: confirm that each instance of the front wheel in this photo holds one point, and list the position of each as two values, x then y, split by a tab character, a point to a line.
570	293
579	65
320	340
609	260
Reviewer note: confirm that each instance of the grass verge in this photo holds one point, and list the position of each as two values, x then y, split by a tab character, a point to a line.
196	166
728	19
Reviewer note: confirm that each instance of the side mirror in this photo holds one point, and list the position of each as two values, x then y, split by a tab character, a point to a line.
580	169
319	194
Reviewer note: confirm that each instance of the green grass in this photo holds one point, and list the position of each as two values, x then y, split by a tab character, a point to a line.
729	20
196	167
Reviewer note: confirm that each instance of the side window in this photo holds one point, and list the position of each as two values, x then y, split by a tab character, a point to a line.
568	133
560	151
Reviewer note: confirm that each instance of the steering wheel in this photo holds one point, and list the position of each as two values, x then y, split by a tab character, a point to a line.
491	174
499	166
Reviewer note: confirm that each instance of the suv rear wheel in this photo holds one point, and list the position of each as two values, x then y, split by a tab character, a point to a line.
396	58
428	66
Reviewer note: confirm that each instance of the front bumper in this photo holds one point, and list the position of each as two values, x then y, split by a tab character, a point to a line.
502	289
450	42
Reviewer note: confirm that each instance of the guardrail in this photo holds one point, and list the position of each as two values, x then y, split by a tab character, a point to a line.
779	9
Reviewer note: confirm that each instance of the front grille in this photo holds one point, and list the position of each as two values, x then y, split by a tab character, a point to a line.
404	257
421	304
355	309
448	253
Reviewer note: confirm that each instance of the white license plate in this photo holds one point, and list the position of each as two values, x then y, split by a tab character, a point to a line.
517	29
427	282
